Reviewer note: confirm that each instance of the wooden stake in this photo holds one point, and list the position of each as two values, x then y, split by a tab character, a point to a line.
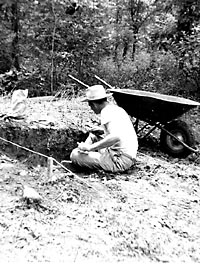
49	167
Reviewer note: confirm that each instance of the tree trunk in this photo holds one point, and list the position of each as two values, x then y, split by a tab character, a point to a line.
15	28
134	46
117	21
134	12
125	50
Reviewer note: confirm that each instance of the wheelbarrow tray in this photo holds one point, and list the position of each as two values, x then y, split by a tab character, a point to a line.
152	107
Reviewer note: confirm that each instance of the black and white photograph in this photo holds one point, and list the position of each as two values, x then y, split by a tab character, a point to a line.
99	132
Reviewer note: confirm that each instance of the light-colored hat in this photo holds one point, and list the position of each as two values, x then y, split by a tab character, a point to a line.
95	92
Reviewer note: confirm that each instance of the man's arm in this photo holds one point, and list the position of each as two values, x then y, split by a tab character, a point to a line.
106	142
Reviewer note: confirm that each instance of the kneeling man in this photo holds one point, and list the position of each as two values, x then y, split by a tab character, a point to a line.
116	150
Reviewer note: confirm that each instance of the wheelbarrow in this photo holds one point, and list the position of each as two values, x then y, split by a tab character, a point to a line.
162	112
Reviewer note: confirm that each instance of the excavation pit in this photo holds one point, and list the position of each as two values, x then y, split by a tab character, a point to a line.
50	127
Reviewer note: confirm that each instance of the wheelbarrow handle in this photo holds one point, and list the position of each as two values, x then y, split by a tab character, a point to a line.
103	81
85	85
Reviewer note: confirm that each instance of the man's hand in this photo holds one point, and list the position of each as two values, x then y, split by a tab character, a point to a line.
97	130
84	147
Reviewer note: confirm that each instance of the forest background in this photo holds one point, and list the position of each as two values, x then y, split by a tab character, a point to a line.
149	45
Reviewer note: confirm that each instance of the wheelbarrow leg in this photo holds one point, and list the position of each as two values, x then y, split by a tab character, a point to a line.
150	131
141	129
136	125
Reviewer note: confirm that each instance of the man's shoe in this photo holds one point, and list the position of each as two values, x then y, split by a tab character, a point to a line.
75	168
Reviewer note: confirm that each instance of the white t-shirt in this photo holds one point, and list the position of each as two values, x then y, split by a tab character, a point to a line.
121	125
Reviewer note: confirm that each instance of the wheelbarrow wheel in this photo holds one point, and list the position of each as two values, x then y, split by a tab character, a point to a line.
181	131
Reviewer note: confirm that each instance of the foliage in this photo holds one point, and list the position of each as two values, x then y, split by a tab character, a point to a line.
188	52
140	44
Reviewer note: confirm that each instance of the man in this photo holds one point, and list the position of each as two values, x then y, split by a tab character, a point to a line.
116	150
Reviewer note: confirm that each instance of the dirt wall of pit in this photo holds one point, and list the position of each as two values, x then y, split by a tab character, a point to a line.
50	141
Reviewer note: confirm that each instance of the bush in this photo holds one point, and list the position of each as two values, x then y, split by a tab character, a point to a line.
153	72
157	72
124	73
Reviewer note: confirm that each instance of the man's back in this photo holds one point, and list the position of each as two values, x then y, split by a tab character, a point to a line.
115	120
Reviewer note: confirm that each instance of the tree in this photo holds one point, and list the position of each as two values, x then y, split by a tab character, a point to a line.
15	29
133	18
10	26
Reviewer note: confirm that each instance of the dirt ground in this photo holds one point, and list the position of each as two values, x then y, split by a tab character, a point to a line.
149	214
